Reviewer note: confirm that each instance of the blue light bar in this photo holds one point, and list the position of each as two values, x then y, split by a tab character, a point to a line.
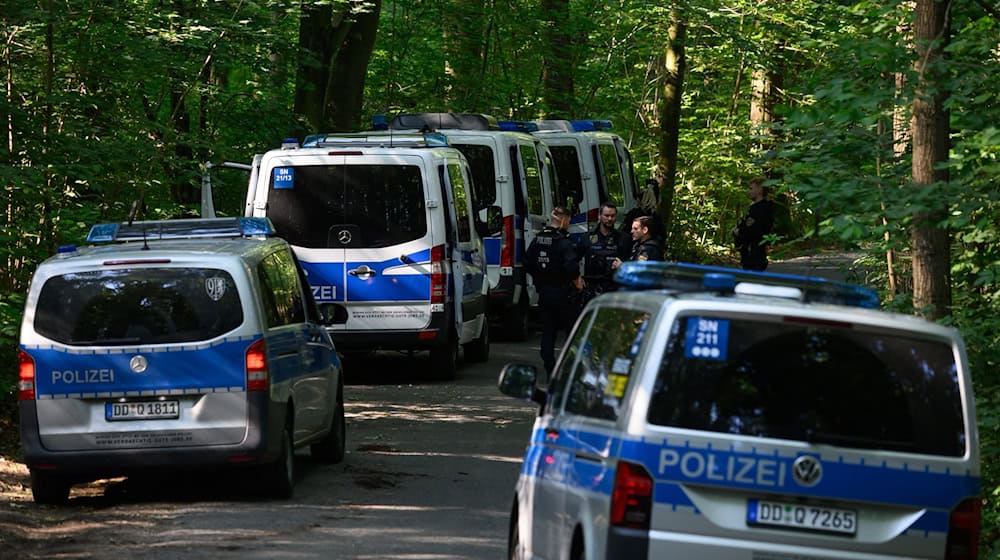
518	126
692	277
380	122
590	125
180	229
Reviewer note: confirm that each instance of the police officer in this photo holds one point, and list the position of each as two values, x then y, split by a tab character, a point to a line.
645	246
554	264
607	245
749	234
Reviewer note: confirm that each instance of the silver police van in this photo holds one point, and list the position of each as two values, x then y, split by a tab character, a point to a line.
175	344
385	231
712	413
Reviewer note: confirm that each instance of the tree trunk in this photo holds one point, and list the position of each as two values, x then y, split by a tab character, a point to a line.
345	91
463	48
557	60
670	116
929	127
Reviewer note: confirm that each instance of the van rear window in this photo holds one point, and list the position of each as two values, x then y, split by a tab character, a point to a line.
122	307
830	384
349	206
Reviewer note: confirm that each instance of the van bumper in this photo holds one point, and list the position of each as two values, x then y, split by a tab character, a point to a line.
433	336
261	445
508	291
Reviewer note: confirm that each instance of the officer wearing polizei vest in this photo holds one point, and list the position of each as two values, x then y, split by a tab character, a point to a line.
554	264
606	246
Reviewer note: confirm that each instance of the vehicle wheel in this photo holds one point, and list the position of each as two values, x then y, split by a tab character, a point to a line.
280	475
330	449
514	321
514	551
48	488
478	350
444	360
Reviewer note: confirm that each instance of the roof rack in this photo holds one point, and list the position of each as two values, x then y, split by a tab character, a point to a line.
442	121
379	138
180	229
691	277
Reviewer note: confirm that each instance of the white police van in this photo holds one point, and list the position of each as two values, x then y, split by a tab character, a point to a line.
593	165
514	178
384	229
175	344
705	412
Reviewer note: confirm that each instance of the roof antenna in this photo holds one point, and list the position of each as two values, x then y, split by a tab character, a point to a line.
139	207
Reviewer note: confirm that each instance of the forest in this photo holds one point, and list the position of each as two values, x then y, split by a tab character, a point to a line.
876	123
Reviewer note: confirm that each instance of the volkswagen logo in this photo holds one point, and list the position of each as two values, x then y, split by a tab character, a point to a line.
807	470
138	364
344	236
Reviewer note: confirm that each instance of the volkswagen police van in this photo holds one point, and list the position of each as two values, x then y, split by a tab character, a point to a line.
384	229
514	178
593	165
712	413
175	344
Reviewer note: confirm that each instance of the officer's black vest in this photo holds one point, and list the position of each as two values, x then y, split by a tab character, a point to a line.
602	251
546	255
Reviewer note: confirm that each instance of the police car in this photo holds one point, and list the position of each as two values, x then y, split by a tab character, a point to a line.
175	344
713	413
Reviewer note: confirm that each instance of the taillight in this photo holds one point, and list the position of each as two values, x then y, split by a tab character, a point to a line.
438	284
963	531
632	498
25	376
256	363
507	251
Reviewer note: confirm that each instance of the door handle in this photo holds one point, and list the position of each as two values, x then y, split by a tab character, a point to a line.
363	272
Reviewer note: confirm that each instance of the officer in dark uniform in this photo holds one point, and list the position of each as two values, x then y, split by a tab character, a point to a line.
646	247
749	234
607	245
554	264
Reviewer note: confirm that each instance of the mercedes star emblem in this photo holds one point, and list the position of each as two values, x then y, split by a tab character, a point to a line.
138	364
344	236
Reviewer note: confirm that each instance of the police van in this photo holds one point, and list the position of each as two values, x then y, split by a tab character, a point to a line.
175	344
514	178
384	229
593	165
704	412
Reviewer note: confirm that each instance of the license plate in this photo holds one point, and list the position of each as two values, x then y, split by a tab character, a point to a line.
142	410
802	516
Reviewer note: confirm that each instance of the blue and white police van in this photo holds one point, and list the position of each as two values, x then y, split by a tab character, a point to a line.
711	413
514	181
173	345
593	165
384	229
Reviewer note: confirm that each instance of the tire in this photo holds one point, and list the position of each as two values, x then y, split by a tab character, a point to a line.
47	488
514	551
444	360
331	448
478	351
514	322
279	476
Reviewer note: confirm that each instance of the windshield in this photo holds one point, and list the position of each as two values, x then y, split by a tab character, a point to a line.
825	384
377	205
138	306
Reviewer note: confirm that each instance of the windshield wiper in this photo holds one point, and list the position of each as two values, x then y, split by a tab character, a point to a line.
108	341
813	436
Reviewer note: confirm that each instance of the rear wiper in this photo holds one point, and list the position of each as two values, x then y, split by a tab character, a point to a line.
813	436
109	341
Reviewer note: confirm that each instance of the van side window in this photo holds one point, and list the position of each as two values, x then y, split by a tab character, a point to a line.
605	363
459	191
533	178
614	183
483	174
282	293
570	181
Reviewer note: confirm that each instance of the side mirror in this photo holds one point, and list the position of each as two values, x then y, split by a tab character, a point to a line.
518	381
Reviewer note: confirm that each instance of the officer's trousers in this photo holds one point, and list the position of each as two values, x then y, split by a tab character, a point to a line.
557	315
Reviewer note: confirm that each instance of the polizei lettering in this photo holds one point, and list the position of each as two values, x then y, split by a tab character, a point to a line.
73	376
755	471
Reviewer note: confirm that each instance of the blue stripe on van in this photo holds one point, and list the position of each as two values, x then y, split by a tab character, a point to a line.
492	247
63	371
327	279
757	469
